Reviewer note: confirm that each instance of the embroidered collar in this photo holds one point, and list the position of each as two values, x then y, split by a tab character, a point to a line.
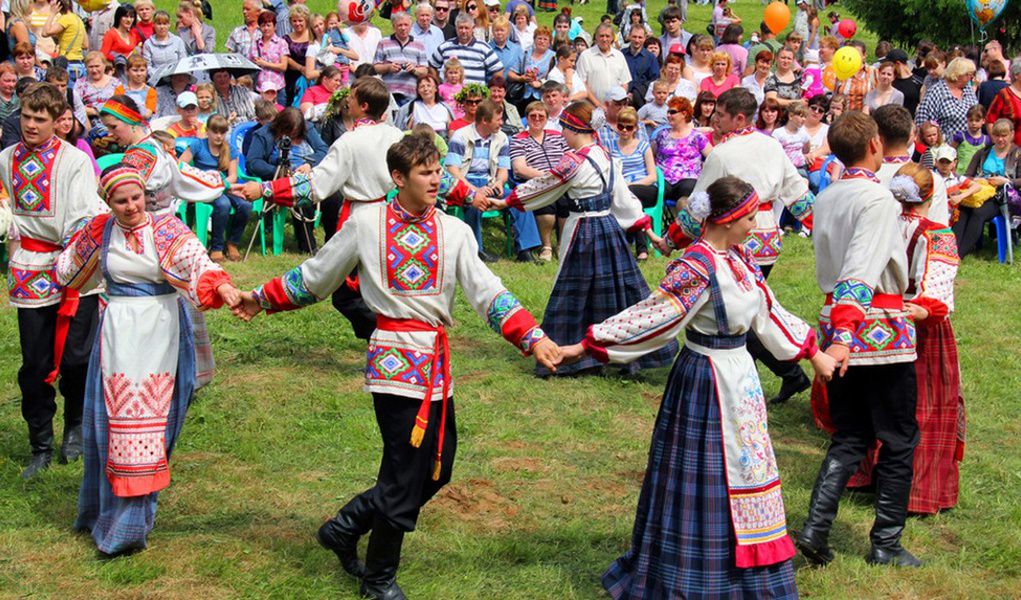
46	146
407	217
738	132
859	173
145	223
365	121
896	160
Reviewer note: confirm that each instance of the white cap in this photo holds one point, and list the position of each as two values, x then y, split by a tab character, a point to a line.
187	99
944	152
616	93
491	2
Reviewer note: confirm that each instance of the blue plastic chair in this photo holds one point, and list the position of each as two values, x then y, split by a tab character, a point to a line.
1004	241
824	177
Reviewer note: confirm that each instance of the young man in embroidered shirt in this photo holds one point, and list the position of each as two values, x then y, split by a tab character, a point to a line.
410	257
53	192
861	266
896	126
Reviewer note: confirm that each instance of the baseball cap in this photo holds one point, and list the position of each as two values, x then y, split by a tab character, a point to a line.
616	93
944	152
491	2
268	85
897	55
187	99
677	49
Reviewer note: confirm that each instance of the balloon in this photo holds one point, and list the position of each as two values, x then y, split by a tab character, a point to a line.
354	12
93	5
847	28
846	62
777	16
984	12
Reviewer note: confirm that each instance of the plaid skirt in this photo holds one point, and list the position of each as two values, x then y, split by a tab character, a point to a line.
120	524
941	424
599	277
682	545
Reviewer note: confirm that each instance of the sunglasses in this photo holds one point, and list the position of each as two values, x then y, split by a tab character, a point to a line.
471	7
537	116
672	112
472	102
442	9
626	127
817	109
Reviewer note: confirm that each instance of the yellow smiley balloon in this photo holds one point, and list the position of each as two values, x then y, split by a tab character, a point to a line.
846	62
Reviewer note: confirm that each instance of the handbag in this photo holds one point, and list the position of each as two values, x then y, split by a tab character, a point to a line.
980	197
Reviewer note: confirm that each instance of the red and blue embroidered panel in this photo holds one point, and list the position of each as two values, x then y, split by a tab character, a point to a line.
412	256
31	174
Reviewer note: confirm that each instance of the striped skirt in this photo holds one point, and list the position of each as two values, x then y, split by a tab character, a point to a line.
682	545
598	278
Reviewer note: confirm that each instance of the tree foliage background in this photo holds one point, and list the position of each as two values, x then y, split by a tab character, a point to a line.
945	22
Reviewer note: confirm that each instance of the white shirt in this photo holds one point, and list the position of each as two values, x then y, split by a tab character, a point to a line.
602	71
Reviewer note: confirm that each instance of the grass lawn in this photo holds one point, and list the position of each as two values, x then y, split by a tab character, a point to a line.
547	476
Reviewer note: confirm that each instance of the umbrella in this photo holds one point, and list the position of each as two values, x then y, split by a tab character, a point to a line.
236	64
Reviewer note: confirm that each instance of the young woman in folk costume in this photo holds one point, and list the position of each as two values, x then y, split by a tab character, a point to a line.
142	372
167	182
932	268
598	275
710	520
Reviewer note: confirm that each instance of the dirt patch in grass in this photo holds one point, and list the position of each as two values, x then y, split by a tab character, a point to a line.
517	463
477	502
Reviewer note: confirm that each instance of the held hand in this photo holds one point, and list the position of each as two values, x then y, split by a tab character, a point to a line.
247	308
572	354
547	354
840	353
480	200
654	239
997	181
496	204
824	365
663	247
251	190
917	312
231	295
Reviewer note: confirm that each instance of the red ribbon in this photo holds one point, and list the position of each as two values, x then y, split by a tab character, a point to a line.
66	311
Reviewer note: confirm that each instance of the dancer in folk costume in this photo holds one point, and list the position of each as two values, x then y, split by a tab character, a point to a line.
142	372
760	160
410	258
355	167
862	267
52	191
167	183
598	276
710	520
932	267
895	128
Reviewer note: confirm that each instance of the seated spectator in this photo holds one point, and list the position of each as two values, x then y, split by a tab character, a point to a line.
554	97
205	93
1000	166
426	107
679	150
307	150
819	148
498	94
705	106
162	49
534	153
270	90
136	86
722	77
613	102
198	37
233	102
771	116
701	49
215	154
167	94
121	40
673	74
8	99
468	100
638	167
731	44
479	154
189	126
316	98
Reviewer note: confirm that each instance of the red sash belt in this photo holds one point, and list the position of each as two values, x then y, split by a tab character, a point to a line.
888	301
66	311
345	214
765	206
441	351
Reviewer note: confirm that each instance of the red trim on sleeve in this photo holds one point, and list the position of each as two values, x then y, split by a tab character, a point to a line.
283	192
206	290
846	317
459	193
644	223
809	347
273	292
937	308
517	326
807	221
514	202
676	236
593	347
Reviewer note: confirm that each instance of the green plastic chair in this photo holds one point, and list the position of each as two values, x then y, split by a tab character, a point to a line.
656	212
197	215
108	160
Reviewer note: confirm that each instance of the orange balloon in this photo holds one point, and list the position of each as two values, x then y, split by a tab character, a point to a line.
777	16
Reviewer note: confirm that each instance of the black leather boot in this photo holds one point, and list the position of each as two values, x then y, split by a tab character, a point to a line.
791	386
41	440
891	513
342	532
381	562
813	539
71	446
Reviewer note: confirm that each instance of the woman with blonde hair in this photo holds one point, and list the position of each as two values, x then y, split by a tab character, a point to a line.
298	41
18	28
722	77
198	37
947	102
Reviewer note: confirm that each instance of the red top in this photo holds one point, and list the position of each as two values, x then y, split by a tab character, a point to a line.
113	44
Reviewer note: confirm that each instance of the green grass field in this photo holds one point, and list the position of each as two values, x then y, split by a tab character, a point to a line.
547	476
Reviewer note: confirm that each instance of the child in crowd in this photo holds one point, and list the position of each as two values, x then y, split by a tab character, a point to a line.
136	86
705	106
930	136
771	116
967	143
654	114
793	137
269	91
189	125
959	187
205	92
337	42
453	81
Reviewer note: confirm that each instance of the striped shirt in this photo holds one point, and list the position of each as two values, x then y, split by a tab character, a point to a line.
411	53
478	59
632	165
467	142
540	156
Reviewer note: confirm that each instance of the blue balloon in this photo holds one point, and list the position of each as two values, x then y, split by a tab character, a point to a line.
984	12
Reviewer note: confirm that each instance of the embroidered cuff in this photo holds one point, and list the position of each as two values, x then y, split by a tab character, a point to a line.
809	347
842	337
530	339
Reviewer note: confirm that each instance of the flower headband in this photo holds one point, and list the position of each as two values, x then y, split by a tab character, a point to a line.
120	176
122	112
904	189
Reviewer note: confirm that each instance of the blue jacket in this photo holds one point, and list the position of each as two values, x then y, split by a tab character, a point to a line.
261	158
644	70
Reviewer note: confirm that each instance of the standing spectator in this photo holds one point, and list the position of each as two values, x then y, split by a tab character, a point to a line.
884	93
297	41
241	39
442	19
478	59
723	17
730	43
232	102
97	86
654	114
364	38
534	153
163	49
424	31
535	65
198	37
996	80
144	10
269	52
904	80
564	72
453	83
756	81
401	59
68	30
828	47
603	67
859	85
793	137
949	99
673	32
819	146
1007	103
40	13
701	57
969	142
120	40
784	85
19	30
993	52
767	41
722	78
672	75
524	27
24	62
480	16
643	66
509	53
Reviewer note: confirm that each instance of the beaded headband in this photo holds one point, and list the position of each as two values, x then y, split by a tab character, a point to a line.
122	112
745	207
118	177
575	124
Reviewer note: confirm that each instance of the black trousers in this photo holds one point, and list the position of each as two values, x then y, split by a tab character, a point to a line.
405	482
349	303
875	403
969	226
647	195
330	210
781	368
37	329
